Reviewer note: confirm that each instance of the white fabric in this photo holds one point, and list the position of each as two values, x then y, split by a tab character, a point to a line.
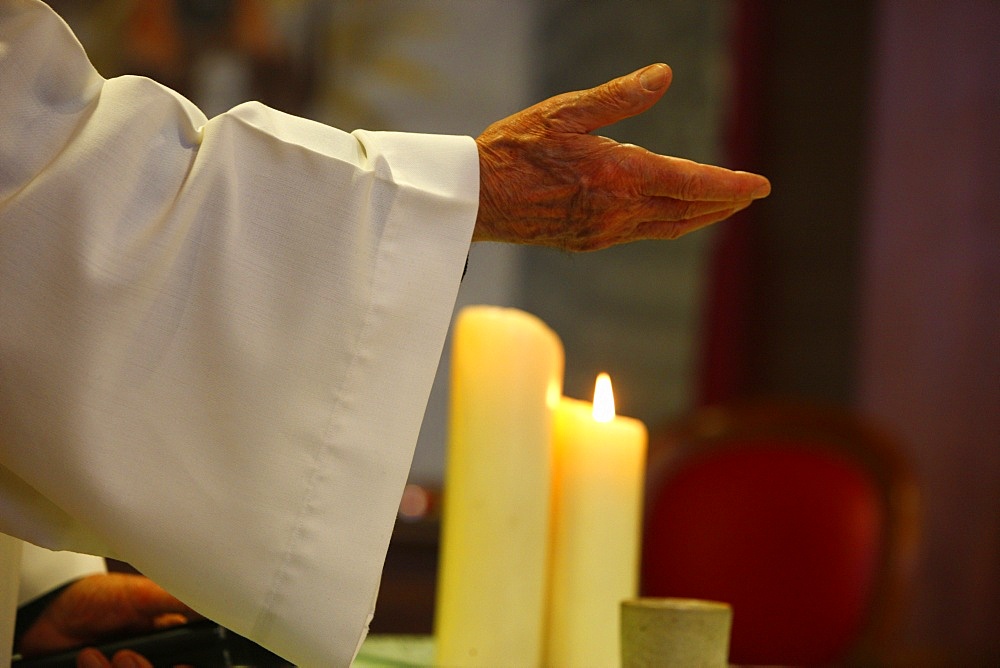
43	570
218	336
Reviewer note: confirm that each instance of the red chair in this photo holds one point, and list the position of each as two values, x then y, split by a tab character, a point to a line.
803	518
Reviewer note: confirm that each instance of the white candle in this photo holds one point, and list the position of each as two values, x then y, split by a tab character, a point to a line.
507	369
599	464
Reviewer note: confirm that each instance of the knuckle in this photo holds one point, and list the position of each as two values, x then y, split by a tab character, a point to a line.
673	231
688	210
690	187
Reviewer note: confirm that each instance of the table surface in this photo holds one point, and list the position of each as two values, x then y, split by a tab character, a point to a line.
396	651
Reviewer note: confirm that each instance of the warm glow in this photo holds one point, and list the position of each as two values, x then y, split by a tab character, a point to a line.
604	399
553	394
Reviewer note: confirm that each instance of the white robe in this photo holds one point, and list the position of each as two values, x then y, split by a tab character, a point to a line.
218	336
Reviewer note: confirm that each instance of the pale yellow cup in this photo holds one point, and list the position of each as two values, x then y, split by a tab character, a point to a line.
675	632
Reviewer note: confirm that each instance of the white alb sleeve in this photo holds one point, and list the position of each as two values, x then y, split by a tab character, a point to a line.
218	336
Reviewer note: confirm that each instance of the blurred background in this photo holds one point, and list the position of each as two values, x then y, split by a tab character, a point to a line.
870	279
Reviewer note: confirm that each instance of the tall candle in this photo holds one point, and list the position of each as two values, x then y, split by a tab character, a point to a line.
10	578
506	380
599	466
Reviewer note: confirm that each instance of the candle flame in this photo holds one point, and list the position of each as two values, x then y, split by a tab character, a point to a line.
604	399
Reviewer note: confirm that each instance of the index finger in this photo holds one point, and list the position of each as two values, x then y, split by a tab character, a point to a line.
682	179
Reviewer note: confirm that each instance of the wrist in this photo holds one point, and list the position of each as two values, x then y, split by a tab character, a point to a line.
486	214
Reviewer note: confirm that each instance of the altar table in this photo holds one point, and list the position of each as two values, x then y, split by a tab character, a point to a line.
396	651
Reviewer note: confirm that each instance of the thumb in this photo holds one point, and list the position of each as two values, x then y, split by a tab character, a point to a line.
620	98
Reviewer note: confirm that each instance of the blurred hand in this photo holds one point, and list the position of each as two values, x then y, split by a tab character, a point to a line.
99	607
544	179
92	658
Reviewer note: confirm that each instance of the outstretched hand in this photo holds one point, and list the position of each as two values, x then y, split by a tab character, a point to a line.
101	606
544	179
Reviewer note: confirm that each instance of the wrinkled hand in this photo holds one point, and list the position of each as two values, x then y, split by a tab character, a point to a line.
101	606
544	179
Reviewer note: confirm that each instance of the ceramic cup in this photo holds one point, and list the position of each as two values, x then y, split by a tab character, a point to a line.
669	632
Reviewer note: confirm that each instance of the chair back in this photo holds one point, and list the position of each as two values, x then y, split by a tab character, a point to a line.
801	517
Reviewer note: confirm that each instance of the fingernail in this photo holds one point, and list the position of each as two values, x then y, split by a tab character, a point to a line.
763	191
89	658
128	659
654	77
